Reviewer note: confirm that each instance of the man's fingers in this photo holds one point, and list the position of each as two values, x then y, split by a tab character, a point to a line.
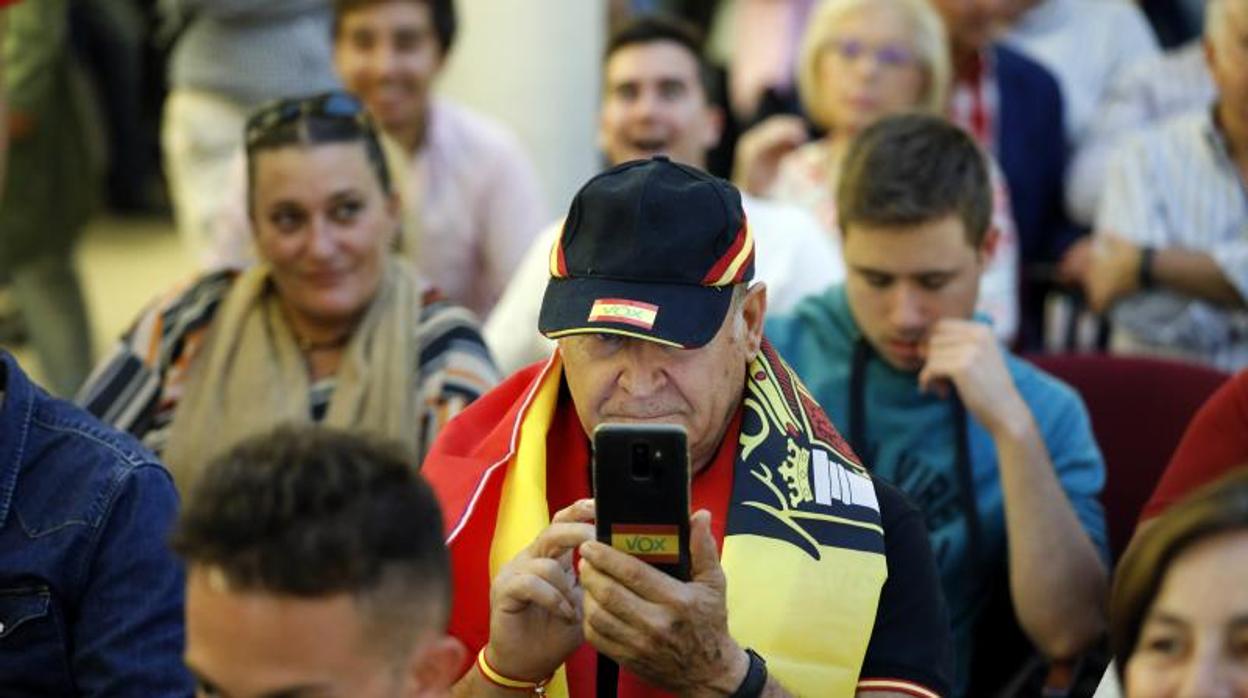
934	379
638	577
604	629
703	552
553	572
581	511
559	538
518	591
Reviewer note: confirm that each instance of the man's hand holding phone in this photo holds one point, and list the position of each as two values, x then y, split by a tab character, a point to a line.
673	634
535	600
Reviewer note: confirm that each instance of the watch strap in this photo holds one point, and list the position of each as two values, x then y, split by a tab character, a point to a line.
755	677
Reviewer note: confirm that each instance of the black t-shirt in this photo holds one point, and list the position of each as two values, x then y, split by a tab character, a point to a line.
911	645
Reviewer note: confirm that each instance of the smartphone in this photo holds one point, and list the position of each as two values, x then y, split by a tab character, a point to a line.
641	491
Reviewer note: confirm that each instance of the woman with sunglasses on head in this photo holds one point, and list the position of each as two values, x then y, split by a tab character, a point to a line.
859	61
1179	606
330	327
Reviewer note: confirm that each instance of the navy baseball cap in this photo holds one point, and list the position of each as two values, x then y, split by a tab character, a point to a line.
650	249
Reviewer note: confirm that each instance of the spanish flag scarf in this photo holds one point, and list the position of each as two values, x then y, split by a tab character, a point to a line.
803	549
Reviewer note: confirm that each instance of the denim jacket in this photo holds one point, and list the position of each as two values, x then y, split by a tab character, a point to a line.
90	594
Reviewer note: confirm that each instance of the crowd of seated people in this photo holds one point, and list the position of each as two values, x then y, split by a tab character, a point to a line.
353	454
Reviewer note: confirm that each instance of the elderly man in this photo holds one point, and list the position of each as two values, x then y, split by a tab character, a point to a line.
654	102
1000	455
316	567
832	589
1171	250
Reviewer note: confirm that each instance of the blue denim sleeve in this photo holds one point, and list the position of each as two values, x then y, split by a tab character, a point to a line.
128	638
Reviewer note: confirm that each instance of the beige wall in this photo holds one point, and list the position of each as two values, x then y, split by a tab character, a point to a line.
533	64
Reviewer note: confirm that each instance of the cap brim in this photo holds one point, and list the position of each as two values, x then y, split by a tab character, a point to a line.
679	315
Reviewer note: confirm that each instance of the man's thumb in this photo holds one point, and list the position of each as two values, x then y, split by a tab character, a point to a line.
703	552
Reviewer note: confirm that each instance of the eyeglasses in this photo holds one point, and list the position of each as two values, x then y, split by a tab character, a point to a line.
332	105
885	55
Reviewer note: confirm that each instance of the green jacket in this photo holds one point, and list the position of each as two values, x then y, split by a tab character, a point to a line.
47	192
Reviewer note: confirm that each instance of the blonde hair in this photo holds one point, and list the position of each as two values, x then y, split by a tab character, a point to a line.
928	38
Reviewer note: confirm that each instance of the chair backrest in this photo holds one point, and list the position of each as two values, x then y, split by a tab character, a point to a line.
1139	407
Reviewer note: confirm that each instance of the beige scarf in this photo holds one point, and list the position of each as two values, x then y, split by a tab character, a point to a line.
250	375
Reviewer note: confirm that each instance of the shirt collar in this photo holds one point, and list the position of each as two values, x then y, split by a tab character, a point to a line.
1048	16
16	413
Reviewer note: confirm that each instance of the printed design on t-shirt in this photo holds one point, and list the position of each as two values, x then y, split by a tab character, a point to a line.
931	489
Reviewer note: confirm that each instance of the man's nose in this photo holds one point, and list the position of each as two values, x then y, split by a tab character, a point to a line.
321	243
906	309
644	371
383	58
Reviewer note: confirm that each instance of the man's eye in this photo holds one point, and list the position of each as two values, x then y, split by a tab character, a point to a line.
934	282
625	92
286	220
877	280
362	41
345	211
1162	645
409	41
672	90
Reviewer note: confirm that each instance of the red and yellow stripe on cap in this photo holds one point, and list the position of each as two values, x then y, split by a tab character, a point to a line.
730	268
558	263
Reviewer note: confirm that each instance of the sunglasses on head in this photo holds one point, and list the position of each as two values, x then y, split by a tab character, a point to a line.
329	105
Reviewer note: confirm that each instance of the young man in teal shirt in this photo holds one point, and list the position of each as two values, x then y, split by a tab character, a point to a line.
999	455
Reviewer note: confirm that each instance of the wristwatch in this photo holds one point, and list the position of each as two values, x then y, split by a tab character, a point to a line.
755	677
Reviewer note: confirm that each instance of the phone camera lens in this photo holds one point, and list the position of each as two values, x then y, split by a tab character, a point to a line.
640	462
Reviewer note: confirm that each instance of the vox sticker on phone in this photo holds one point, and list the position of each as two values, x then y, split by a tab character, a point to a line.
648	542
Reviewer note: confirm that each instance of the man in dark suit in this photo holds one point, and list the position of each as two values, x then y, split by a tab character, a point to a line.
1013	107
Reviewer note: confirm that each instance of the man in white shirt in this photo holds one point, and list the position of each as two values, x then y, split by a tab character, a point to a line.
1086	44
654	103
1171	254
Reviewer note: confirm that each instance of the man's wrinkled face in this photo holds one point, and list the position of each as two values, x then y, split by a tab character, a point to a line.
653	104
901	281
621	379
255	644
389	54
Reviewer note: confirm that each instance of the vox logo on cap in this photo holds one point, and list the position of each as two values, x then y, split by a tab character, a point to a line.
628	312
648	543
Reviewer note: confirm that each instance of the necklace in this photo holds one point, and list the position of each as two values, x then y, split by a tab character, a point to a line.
307	345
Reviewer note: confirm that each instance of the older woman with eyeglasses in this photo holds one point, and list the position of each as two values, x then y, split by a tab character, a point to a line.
330	327
862	60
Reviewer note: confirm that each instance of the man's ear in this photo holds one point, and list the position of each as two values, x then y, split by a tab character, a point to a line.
988	246
434	667
713	126
753	311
